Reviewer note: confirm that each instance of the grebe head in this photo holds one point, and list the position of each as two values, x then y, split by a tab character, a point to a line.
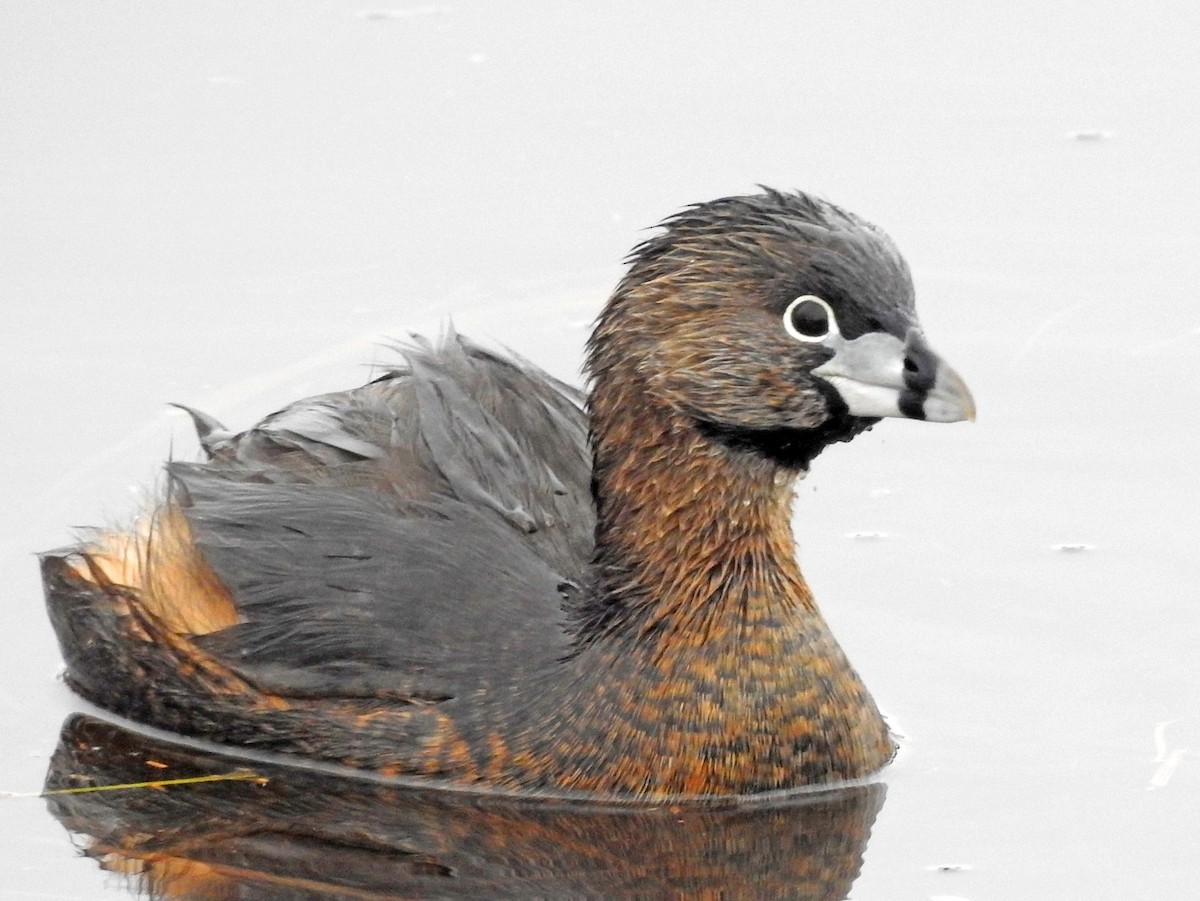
776	322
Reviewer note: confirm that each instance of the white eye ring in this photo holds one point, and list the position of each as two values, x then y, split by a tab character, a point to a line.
789	322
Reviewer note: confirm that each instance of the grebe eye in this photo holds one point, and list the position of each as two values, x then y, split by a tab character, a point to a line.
808	318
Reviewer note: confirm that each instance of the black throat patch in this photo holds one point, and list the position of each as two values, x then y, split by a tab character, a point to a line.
789	448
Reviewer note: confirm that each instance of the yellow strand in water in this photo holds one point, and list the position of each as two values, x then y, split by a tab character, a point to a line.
237	776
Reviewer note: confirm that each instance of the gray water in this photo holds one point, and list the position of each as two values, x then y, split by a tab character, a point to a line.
231	205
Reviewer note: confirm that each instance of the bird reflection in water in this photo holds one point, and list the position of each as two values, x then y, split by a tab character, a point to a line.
296	833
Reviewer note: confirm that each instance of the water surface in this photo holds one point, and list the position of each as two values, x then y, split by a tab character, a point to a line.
232	205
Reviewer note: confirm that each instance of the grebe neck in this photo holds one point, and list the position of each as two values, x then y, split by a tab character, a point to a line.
693	535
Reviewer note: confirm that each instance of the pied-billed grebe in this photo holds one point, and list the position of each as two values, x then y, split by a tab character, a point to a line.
454	571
